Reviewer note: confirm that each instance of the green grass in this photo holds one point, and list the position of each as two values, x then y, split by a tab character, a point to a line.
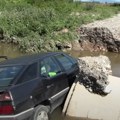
36	24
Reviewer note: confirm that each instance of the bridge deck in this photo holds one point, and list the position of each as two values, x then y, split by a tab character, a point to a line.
85	104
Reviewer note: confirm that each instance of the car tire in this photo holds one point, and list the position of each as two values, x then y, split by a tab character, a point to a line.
41	113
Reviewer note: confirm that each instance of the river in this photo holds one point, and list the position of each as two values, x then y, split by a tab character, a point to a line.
11	51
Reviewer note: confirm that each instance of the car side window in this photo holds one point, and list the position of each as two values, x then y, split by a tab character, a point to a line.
72	59
30	73
49	68
66	62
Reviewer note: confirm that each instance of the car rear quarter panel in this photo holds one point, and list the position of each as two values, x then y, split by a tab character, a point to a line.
24	94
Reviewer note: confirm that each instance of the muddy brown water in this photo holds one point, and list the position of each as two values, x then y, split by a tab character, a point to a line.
11	51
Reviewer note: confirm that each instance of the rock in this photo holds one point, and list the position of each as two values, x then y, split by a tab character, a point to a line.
63	46
14	40
67	45
117	42
98	39
59	45
76	45
1	34
65	30
94	73
112	48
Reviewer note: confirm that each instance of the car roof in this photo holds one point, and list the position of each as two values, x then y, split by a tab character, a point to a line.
27	59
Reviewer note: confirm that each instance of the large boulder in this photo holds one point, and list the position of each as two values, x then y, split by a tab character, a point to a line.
94	72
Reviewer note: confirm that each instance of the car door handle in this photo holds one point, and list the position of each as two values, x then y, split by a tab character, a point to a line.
49	86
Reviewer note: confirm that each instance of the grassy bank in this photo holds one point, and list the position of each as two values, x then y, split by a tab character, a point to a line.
37	25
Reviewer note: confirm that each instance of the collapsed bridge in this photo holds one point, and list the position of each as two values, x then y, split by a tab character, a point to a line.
84	102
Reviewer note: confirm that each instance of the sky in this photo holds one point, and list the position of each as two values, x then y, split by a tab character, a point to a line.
108	1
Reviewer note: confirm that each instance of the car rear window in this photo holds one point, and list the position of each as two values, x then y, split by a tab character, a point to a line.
7	74
65	61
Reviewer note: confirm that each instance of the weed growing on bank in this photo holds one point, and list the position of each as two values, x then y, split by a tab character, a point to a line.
37	25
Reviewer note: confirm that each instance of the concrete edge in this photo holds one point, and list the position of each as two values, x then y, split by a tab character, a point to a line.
68	98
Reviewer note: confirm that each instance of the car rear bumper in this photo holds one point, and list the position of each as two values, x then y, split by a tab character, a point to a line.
21	116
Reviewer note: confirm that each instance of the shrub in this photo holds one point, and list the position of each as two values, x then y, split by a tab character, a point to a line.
35	22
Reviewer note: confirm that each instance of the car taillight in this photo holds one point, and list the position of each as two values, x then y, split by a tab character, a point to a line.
6	107
6	110
5	97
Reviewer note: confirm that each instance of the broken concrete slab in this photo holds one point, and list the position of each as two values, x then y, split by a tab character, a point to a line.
89	105
69	96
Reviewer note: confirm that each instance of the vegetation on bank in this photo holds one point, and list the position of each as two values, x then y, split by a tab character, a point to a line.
38	25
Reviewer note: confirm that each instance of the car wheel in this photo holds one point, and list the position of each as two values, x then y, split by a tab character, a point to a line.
41	113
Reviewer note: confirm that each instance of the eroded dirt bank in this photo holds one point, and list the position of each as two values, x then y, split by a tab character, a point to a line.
113	24
103	35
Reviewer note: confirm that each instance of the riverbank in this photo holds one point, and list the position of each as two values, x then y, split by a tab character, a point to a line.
37	26
101	35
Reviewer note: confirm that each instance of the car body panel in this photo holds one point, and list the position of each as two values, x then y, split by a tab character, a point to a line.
55	85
